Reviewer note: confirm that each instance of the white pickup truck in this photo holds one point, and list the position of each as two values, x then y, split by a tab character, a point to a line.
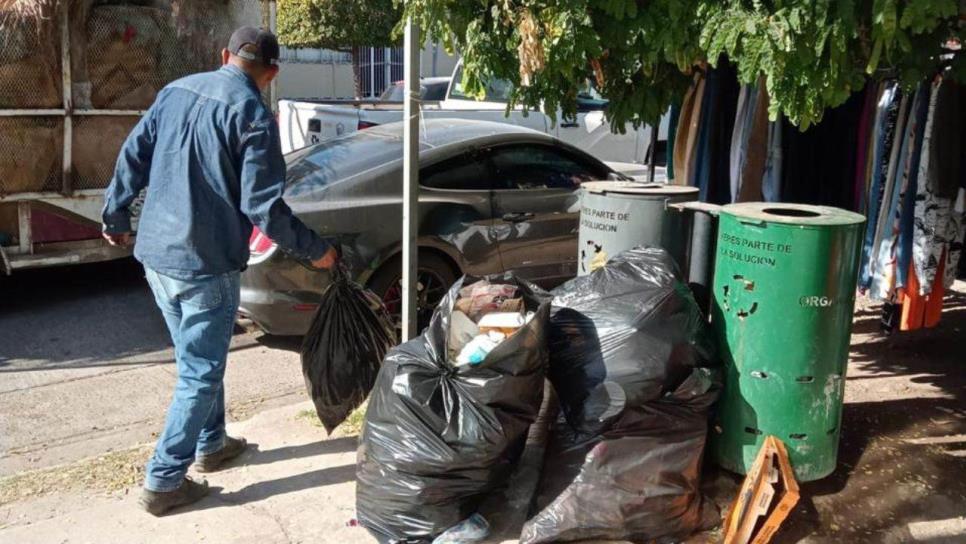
304	123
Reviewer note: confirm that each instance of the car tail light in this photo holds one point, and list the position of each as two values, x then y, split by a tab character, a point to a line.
260	246
366	124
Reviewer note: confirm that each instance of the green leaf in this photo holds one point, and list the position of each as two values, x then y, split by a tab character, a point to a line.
874	58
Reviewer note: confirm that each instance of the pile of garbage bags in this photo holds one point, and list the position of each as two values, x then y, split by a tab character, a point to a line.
440	436
630	358
629	355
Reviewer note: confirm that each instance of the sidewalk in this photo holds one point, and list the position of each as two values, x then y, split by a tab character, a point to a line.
899	479
295	487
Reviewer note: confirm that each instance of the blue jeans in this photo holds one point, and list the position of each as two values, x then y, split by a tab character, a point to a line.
200	314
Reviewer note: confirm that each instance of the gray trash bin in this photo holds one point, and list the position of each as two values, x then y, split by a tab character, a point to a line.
619	215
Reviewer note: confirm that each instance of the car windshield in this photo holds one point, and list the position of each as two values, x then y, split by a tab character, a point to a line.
427	91
435	91
393	93
319	166
497	90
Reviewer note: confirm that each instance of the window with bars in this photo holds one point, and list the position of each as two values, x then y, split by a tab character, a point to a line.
379	67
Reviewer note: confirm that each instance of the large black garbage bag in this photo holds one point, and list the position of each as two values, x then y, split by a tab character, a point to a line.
341	354
631	362
437	438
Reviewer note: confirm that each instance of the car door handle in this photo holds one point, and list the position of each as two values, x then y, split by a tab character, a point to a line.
517	217
571	124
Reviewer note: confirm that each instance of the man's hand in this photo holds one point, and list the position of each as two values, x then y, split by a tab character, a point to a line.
119	240
328	260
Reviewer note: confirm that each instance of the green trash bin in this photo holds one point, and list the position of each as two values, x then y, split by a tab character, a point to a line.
783	299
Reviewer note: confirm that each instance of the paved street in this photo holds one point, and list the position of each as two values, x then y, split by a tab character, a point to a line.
86	365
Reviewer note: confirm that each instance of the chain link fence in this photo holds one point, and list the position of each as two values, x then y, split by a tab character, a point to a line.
121	55
30	75
31	154
97	142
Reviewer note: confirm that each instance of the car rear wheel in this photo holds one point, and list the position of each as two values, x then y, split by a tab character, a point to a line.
434	278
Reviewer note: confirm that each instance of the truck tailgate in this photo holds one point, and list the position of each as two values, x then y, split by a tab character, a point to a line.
306	123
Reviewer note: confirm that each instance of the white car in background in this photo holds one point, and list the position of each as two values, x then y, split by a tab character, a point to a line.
304	123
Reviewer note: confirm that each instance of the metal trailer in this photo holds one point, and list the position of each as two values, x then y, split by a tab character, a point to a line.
63	196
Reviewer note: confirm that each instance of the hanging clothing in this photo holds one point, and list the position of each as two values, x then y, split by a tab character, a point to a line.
739	137
686	135
888	196
948	148
771	182
954	252
882	263
937	226
700	166
719	190
717	125
920	310
755	156
887	113
672	130
907	212
866	126
819	163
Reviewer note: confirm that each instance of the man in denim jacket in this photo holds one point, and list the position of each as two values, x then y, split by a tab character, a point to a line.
209	154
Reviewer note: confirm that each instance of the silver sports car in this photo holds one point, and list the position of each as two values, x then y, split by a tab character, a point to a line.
493	197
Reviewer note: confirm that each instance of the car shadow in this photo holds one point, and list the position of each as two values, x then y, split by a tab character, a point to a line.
95	312
84	316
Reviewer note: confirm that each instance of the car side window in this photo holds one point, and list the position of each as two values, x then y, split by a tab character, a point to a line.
542	167
463	173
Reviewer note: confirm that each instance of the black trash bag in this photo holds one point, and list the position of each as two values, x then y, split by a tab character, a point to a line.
344	348
437	438
631	359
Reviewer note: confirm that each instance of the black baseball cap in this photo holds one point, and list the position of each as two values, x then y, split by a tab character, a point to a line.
266	45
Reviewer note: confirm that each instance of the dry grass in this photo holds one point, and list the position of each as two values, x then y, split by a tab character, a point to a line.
351	427
107	473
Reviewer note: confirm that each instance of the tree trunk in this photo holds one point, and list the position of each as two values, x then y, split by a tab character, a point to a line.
356	76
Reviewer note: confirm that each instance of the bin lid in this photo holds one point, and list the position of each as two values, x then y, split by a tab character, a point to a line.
638	188
805	215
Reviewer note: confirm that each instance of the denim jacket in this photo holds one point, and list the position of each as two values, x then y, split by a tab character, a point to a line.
209	153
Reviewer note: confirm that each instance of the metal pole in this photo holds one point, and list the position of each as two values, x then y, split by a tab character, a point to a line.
67	182
410	202
24	226
652	159
704	233
273	86
387	55
372	73
435	56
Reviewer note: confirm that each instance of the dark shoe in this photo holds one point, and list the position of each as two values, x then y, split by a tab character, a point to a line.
213	461
160	502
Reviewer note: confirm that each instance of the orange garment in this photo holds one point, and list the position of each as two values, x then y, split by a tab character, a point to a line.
920	311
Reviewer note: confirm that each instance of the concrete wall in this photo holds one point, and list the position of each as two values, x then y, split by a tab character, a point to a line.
331	77
306	80
444	61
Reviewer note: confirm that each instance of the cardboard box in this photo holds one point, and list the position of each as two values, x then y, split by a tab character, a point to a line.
755	517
